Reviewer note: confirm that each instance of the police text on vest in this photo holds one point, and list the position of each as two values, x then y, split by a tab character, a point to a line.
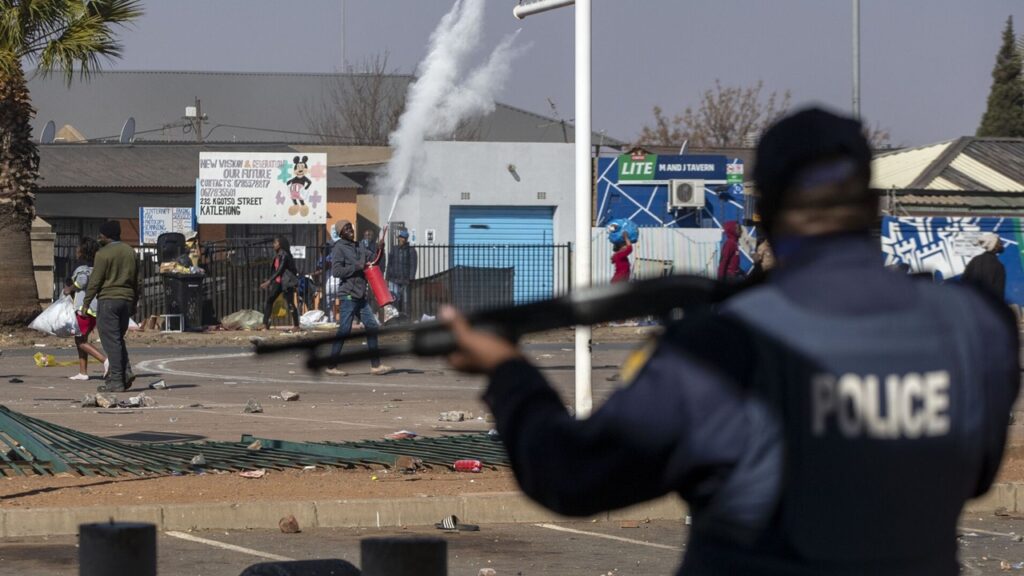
900	406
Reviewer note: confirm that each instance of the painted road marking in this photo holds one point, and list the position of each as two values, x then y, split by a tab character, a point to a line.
232	547
161	365
608	537
965	530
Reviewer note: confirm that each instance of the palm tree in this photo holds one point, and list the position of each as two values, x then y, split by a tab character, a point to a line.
65	36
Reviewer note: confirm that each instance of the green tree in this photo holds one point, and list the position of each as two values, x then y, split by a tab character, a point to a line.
1005	113
63	36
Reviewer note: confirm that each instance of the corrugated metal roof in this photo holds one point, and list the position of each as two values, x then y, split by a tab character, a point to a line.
1015	202
152	166
242	107
968	163
899	169
943	184
988	176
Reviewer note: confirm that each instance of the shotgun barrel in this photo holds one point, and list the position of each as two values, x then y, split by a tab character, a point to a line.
660	297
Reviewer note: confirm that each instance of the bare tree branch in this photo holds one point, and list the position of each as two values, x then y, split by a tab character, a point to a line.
730	116
363	105
727	116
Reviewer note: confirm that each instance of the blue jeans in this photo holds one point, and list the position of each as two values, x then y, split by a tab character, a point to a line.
349	309
398	291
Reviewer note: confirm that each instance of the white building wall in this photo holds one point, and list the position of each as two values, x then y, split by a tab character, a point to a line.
481	170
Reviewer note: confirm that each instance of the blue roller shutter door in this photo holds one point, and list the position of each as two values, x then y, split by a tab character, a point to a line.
507	237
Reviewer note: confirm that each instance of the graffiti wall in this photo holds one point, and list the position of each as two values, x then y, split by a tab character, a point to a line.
944	245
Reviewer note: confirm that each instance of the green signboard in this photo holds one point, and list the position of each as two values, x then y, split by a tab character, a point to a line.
734	173
637	168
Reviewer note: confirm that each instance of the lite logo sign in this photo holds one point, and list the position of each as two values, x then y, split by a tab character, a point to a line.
637	167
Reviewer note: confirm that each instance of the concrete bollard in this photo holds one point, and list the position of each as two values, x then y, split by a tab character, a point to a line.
404	557
116	549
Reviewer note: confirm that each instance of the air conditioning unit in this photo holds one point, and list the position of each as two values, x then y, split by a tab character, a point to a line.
685	194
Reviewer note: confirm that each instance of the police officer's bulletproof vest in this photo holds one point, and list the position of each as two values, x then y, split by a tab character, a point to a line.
877	415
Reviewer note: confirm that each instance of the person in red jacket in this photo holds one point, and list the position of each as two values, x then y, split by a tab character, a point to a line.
729	264
620	259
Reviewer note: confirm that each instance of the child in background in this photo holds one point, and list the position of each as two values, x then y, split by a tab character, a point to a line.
86	255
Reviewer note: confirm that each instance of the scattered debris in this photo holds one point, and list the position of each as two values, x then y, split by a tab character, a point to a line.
256	445
467	465
452	523
408	463
158	385
106	400
1001	511
89	401
142	400
487	572
629	524
260	473
198	460
308	468
289	396
455	416
401	435
289	525
253	407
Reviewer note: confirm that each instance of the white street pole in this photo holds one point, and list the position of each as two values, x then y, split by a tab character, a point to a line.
584	175
856	58
584	184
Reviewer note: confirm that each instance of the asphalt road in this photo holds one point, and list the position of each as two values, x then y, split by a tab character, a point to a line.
510	549
207	389
987	547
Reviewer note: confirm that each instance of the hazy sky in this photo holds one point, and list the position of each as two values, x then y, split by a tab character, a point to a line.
925	73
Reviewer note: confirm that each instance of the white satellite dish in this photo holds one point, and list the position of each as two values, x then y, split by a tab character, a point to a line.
128	131
49	132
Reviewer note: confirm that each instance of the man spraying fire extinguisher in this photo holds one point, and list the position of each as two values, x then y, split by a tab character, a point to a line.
353	266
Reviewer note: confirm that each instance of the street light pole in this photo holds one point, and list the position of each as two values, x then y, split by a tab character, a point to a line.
856	58
584	175
584	182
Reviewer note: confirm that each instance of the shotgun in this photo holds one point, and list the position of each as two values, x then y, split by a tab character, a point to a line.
665	298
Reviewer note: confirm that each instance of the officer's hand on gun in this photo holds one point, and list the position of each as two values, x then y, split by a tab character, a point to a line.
478	352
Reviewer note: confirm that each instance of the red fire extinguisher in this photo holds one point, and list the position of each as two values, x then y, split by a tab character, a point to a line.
375	278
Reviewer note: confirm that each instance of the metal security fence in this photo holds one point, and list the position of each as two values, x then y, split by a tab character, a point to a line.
476	276
470	277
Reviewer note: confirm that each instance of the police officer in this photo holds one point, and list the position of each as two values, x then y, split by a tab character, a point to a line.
832	420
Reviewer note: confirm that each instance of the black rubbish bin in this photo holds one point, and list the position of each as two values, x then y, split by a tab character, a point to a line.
184	295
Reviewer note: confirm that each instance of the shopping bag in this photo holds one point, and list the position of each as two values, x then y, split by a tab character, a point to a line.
58	319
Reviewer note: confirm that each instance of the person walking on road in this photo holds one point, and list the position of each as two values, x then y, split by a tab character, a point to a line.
832	420
283	281
401	268
77	285
348	259
114	284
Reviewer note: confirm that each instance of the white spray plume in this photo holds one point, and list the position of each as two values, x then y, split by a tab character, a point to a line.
443	95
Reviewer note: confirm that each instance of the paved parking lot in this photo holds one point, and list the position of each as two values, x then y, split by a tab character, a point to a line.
208	388
987	548
510	549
